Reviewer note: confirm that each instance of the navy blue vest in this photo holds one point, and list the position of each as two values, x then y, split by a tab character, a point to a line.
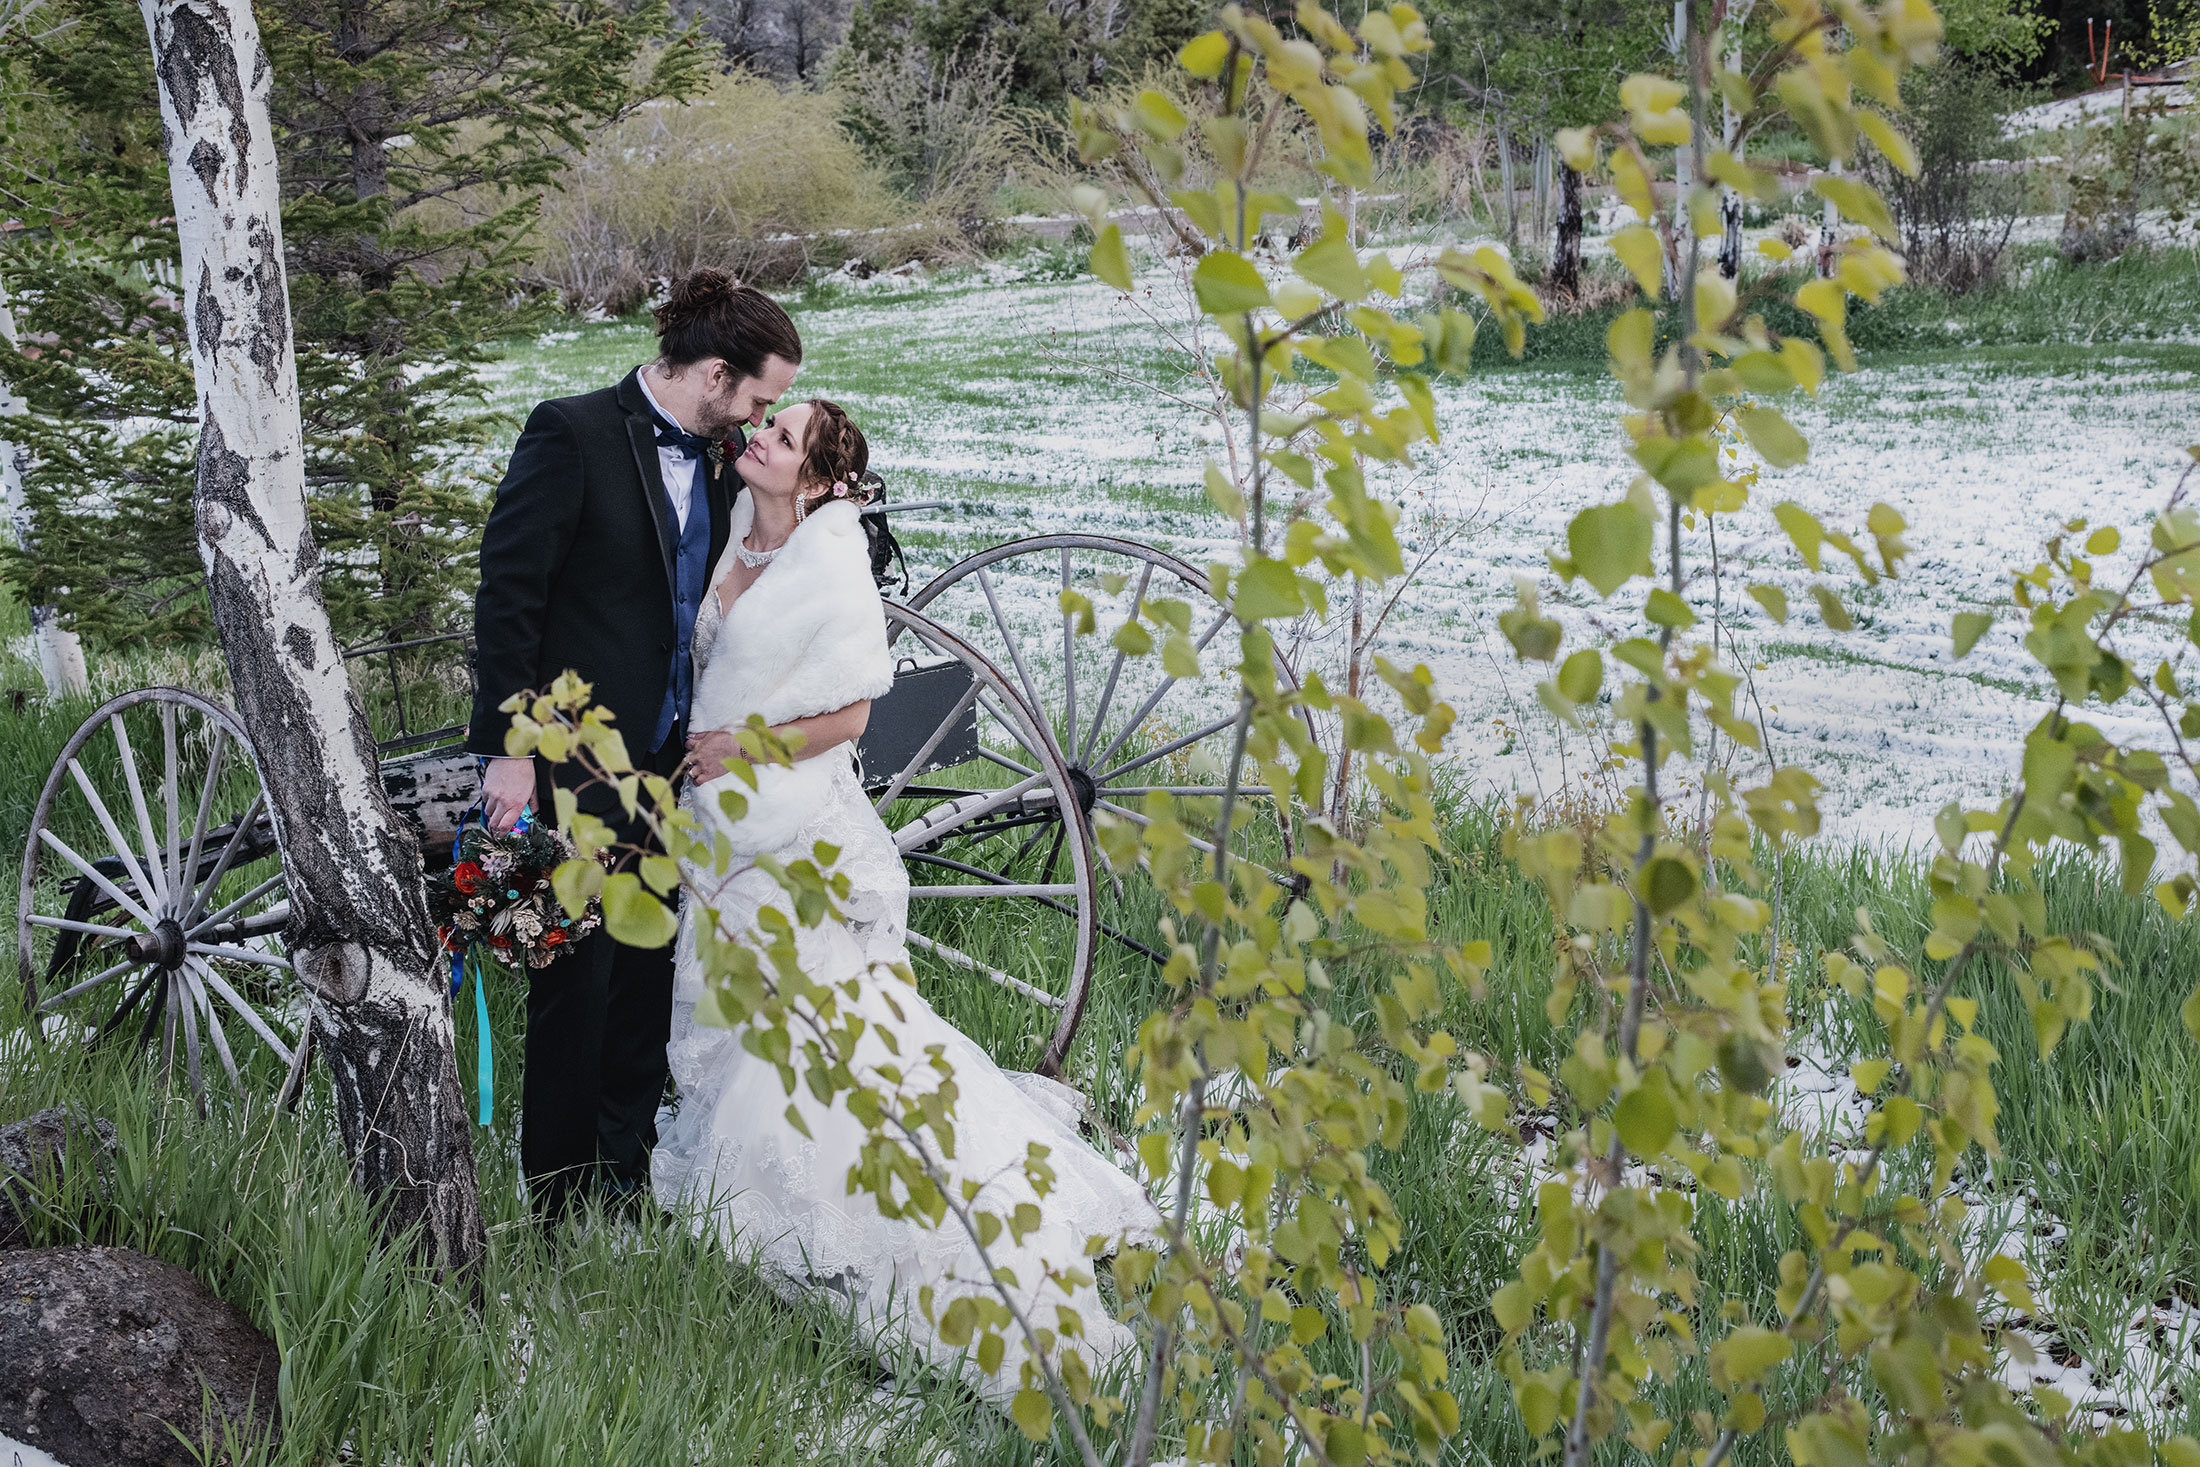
691	574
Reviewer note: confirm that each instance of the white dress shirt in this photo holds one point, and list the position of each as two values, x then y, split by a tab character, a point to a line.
674	465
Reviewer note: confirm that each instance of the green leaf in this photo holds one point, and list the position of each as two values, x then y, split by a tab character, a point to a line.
1223	493
1645	1120
1773	436
1159	117
1749	1354
634	917
1969	627
1266	589
661	874
1773	600
1110	260
2190	1013
577	883
1226	283
1331	264
1638	249
1667	882
1132	640
1858	201
1345	1443
1665	609
1204	56
1803	528
1609	543
1033	1413
1831	611
1581	675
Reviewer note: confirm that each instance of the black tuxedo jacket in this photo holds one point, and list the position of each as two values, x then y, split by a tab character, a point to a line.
577	566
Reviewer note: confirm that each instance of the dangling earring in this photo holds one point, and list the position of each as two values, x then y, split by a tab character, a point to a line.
800	509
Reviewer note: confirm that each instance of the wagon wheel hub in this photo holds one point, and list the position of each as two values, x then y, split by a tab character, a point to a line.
163	947
1086	790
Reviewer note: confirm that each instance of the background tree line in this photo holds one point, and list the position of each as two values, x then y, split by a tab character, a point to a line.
453	176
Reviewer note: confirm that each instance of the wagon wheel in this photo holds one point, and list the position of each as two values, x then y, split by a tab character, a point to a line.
161	899
1125	728
963	773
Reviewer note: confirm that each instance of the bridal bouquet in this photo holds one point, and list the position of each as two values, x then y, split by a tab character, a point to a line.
497	897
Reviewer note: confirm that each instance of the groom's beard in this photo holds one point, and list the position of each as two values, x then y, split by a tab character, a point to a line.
714	417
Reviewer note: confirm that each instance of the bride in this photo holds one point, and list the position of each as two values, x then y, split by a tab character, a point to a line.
793	631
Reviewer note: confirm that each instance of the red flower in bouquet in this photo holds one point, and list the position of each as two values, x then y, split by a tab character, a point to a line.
555	937
499	939
466	876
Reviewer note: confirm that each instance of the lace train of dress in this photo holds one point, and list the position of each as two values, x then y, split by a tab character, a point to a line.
729	1158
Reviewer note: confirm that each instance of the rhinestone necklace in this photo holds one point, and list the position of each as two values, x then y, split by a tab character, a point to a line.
754	558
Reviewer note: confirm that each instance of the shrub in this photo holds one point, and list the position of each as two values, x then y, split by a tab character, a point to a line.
745	178
1956	213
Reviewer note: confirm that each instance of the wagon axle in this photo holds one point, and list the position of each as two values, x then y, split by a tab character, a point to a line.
163	947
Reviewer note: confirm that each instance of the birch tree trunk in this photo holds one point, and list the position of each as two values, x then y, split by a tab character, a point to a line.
60	654
359	934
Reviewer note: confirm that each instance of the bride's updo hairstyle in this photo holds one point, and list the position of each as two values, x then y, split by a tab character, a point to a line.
836	464
707	315
836	461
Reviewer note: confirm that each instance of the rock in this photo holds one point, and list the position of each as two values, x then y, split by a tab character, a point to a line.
39	1150
102	1348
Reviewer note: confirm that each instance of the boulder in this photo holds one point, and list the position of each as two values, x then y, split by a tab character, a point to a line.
102	1348
39	1151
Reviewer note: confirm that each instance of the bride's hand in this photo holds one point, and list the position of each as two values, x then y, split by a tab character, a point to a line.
708	753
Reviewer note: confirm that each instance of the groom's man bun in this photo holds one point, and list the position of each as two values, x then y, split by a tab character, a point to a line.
707	314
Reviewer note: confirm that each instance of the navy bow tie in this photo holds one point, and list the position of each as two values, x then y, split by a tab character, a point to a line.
694	445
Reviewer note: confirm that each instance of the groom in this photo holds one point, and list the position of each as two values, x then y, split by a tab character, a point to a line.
595	558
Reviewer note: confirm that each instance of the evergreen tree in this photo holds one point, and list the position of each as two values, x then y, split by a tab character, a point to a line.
1056	50
415	138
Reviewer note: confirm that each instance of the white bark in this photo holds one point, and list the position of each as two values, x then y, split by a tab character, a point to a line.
359	933
60	653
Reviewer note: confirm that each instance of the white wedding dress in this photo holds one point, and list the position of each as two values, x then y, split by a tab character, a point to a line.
810	630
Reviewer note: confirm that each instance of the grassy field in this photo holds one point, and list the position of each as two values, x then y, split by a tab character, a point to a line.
632	1344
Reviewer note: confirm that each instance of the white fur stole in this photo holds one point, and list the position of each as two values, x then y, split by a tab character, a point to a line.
807	637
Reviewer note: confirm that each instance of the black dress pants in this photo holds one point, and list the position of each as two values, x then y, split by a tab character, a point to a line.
597	1022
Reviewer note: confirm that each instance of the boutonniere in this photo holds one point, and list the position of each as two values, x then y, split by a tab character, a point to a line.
715	455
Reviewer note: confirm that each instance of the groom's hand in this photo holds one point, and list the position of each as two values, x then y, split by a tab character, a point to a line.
507	788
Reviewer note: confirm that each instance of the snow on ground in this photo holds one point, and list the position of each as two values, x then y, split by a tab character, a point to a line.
20	1454
1036	405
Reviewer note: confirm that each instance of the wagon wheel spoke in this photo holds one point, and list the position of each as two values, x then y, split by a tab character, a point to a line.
69	924
237	954
1115	669
1153	701
207	786
1069	663
189	1007
169	998
113	832
236	842
1108	780
129	1004
1008	638
48	1004
214	1030
286	1099
92	874
245	1011
1009	981
139	808
171	773
215	919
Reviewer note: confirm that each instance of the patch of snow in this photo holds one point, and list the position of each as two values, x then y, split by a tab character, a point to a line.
21	1454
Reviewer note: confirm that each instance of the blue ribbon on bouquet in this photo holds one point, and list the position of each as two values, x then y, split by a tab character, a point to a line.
469	961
